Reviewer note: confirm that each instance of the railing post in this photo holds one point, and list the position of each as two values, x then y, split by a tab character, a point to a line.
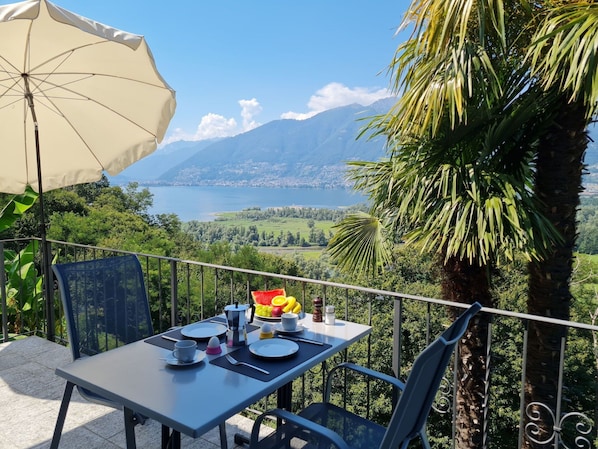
486	409
3	294
522	388
396	337
48	289
174	294
559	395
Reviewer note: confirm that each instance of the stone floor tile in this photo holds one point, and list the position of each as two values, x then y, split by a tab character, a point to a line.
108	424
31	393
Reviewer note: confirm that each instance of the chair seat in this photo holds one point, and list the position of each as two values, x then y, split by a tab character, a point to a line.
358	433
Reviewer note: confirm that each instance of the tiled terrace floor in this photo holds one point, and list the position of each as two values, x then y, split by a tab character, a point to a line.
30	395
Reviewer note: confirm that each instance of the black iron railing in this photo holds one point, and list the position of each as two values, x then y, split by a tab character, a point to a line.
183	291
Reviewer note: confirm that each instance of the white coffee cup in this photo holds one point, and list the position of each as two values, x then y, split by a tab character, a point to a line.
289	321
184	350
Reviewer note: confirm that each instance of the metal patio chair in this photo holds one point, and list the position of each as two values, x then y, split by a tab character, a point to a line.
105	306
325	425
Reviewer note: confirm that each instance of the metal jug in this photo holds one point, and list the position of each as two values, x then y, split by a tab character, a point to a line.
237	321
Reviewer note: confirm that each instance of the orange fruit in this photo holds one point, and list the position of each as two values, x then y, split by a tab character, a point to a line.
279	301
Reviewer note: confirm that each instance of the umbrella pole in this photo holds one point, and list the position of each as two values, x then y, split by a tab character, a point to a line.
47	291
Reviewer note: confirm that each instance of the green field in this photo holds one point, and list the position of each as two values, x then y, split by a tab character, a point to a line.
275	224
310	253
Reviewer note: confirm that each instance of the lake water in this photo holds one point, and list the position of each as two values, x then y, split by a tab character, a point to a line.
203	202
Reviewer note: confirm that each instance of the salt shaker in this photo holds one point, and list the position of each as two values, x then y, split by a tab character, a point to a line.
329	319
317	313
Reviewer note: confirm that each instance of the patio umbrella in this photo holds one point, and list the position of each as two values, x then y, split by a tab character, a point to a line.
76	98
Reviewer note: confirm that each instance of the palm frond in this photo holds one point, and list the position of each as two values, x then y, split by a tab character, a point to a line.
564	53
360	244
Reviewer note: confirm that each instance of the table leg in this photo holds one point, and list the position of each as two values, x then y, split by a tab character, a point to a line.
165	436
223	439
130	428
175	440
284	396
170	440
64	405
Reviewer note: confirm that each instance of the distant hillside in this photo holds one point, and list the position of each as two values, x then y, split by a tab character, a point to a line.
151	167
289	153
590	179
285	153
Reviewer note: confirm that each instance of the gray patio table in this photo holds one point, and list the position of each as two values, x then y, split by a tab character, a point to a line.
190	400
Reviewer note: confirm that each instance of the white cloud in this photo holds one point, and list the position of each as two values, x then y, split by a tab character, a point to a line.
177	134
211	126
215	125
335	95
249	109
332	95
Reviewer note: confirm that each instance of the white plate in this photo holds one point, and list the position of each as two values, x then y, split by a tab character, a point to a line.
173	361
203	330
273	348
278	328
267	318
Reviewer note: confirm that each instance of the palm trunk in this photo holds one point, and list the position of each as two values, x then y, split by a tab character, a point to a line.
465	283
558	184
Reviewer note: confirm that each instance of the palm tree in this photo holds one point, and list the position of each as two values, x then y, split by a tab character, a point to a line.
456	196
461	45
462	74
564	59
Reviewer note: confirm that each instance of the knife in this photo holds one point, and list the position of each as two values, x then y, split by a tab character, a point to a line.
166	337
304	340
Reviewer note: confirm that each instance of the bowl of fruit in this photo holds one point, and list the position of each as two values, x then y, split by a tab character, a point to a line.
271	304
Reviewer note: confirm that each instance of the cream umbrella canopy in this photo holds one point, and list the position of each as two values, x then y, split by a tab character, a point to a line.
94	91
76	98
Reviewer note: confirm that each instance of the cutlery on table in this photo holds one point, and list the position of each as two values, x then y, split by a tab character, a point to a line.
234	361
304	340
166	337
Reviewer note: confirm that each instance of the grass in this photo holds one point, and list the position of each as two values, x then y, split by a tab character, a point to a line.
278	225
275	224
309	253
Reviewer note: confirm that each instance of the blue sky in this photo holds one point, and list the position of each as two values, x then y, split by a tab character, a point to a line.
236	64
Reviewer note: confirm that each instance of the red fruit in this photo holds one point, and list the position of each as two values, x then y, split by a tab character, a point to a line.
265	296
276	311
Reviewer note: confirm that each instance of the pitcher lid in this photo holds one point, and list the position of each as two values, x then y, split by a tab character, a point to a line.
237	306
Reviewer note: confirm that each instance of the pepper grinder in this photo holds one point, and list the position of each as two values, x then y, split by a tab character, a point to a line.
317	313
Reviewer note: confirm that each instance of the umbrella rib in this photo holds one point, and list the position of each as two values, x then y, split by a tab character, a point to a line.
87	98
65	56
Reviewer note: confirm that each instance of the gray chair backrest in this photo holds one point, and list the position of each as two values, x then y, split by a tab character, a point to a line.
105	303
415	402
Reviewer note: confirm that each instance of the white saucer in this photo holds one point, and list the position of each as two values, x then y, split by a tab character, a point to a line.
276	318
171	360
278	328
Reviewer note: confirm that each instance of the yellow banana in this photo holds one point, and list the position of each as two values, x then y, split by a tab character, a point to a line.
291	301
297	308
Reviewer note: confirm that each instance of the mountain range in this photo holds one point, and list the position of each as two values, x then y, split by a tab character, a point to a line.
281	153
285	153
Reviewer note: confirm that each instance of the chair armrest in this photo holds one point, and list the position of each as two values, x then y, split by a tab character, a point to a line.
366	372
299	421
